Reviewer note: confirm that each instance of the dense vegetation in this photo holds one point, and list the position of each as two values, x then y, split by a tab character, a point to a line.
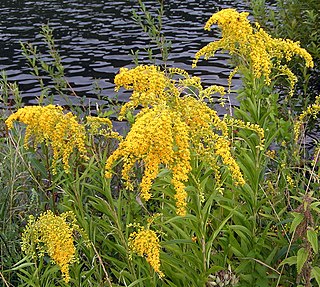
184	198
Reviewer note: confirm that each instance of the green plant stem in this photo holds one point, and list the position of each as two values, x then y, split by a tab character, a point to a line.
4	280
102	265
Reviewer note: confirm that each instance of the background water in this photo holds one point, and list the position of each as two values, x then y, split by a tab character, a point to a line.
95	39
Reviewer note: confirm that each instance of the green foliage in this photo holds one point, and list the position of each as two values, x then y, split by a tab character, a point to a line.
152	25
10	94
293	19
299	21
52	67
264	233
21	193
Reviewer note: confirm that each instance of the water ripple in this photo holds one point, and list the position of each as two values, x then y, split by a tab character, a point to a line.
95	38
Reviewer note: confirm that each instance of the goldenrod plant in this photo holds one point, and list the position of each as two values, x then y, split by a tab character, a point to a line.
298	21
253	48
50	125
171	128
260	65
53	235
185	197
145	242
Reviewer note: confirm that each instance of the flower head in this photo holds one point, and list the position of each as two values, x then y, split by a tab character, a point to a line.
98	126
171	125
53	235
51	125
255	48
145	243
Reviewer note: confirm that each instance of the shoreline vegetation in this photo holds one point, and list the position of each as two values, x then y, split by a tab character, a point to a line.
185	197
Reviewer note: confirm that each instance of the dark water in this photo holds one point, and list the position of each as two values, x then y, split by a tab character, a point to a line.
95	39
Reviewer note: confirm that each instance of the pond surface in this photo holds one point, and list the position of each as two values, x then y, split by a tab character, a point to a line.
95	38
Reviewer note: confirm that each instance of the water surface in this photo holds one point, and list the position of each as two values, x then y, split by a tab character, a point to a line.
95	38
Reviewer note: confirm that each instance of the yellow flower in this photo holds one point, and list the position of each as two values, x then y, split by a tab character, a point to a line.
145	243
236	123
148	84
256	49
171	125
290	181
271	154
157	137
53	235
310	111
101	126
53	127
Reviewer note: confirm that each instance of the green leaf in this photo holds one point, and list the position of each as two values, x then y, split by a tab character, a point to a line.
219	228
315	273
302	257
21	265
290	261
137	282
214	269
313	239
172	264
177	241
130	117
298	217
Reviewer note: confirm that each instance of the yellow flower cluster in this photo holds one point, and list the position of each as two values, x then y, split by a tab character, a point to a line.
148	84
96	123
148	79
205	128
311	111
290	181
53	235
236	123
234	26
145	243
168	129
157	137
101	126
53	127
271	154
256	48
